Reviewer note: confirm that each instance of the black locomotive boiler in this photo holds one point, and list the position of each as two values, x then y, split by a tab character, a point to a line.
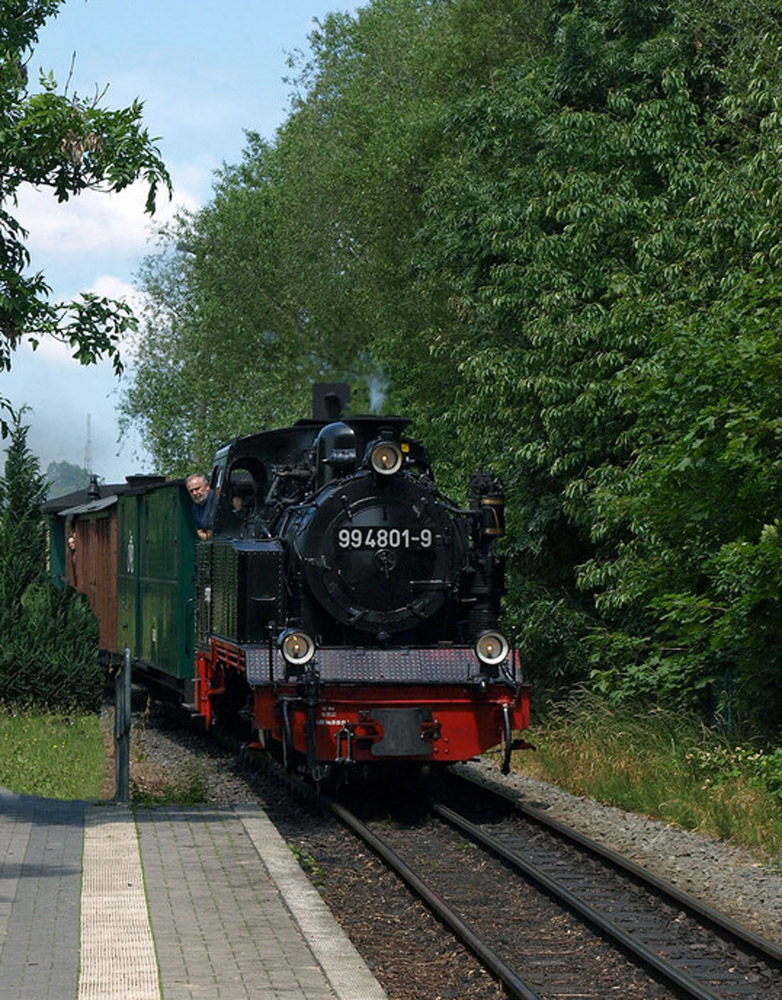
354	603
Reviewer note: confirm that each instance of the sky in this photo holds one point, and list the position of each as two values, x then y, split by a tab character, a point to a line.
206	71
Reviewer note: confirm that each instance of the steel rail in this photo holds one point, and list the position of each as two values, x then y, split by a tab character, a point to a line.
761	947
674	976
517	986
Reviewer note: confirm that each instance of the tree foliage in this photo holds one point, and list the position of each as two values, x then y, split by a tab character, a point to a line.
67	143
65	477
22	529
551	234
49	647
303	262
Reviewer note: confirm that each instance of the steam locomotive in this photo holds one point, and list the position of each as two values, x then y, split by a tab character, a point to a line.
341	601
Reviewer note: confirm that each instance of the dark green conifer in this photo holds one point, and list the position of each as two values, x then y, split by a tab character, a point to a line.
48	638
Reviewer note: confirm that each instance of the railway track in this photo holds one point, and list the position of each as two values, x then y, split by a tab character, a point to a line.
549	933
764	949
552	914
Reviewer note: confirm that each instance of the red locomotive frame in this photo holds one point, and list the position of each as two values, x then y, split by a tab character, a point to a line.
338	723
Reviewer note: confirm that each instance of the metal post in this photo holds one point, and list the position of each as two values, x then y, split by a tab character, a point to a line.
122	730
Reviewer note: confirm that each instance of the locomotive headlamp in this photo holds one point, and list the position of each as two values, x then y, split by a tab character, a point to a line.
296	647
386	458
491	648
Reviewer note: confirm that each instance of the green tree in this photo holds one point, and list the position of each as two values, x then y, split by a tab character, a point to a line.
65	477
22	529
304	266
67	143
222	351
48	638
602	212
698	573
551	233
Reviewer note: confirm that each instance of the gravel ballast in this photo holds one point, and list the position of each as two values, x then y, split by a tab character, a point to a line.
728	878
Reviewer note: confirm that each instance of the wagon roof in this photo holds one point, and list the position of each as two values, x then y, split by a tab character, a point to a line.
82	497
89	508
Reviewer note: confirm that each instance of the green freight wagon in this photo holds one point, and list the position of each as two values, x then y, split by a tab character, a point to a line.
155	563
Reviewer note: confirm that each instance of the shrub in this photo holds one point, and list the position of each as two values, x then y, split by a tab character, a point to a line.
51	660
48	638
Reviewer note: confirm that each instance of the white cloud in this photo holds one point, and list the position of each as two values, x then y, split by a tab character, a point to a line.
112	287
53	351
92	223
95	242
98	222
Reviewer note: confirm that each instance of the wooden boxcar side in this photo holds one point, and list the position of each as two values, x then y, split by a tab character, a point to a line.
96	560
90	568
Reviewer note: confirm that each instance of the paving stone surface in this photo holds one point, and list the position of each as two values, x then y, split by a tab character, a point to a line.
40	880
101	902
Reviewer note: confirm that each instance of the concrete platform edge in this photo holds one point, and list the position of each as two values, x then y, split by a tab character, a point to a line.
346	971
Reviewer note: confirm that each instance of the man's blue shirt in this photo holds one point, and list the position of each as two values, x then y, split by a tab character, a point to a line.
203	513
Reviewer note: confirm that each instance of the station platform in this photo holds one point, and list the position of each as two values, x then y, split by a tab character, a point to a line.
103	902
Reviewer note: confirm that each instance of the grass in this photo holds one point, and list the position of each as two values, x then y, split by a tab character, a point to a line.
66	757
190	788
662	765
61	757
309	865
153	784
